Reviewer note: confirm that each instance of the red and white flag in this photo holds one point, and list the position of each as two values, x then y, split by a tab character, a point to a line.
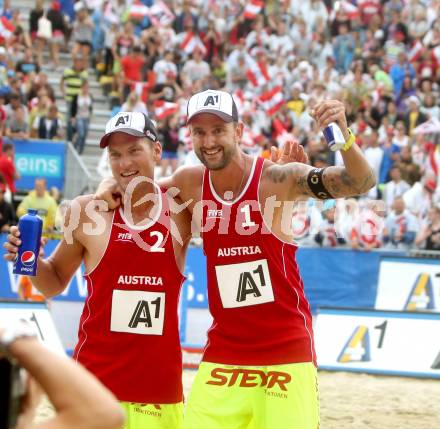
191	42
272	101
258	74
6	28
280	134
239	99
253	8
416	51
160	15
349	8
163	109
138	11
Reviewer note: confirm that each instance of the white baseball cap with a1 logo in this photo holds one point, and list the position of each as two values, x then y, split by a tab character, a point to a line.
219	103
133	123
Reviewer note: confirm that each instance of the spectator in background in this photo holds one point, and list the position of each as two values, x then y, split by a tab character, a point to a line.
40	106
132	66
84	108
17	126
7	168
56	18
164	67
399	71
396	187
327	235
134	104
343	49
430	107
70	86
168	91
195	69
170	144
27	65
186	18
7	214
400	138
428	238
409	169
400	226
82	33
40	82
15	102
374	155
36	13
49	126
41	200
413	116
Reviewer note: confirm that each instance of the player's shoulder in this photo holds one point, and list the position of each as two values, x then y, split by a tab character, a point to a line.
187	179
88	206
82	200
189	172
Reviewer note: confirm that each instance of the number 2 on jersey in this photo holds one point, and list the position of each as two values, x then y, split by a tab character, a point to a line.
156	247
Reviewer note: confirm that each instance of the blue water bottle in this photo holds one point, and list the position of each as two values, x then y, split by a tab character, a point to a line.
30	227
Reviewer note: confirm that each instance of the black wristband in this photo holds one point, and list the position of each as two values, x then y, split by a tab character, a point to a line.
316	185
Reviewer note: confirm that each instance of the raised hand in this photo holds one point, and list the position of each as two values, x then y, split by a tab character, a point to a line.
291	152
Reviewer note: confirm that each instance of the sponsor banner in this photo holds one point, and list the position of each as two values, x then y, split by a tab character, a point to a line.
407	284
192	356
352	283
40	158
378	342
38	316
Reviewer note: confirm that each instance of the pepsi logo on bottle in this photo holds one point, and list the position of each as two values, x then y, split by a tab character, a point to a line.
30	227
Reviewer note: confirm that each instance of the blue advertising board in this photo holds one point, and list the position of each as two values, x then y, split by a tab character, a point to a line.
40	158
343	278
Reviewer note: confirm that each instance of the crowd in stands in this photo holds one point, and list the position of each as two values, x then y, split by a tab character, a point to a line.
278	59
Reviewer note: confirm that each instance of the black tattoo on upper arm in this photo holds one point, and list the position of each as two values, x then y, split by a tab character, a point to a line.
278	174
340	184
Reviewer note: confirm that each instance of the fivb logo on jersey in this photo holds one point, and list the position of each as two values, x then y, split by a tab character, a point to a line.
124	237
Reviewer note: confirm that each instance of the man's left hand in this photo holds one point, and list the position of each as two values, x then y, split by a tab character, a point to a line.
291	152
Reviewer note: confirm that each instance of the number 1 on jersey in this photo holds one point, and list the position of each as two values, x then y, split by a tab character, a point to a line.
246	210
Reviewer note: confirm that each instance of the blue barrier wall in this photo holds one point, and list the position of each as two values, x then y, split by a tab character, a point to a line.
338	278
40	158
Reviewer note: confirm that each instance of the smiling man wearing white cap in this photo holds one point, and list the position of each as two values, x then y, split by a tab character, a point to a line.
259	365
128	335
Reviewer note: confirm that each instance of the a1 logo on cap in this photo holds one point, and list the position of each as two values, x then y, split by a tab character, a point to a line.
28	258
123	120
210	100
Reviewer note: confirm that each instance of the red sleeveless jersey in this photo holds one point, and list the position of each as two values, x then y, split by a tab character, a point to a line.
256	295
128	334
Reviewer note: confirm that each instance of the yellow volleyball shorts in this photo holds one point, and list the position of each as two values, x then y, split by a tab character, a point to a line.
254	397
153	416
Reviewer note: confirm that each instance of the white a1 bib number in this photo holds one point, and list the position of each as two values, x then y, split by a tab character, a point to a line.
137	312
242	285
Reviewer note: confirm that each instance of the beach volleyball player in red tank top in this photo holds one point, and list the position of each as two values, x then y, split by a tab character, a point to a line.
134	259
259	365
